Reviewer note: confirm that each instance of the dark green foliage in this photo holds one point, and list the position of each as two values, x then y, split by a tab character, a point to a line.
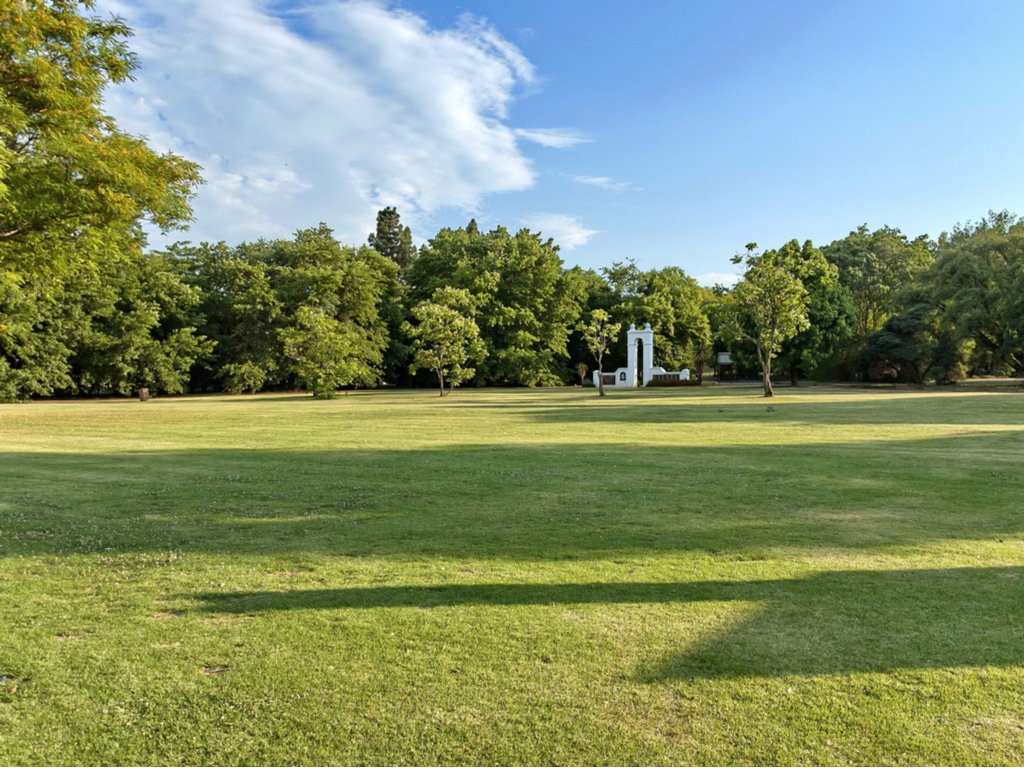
978	287
393	240
306	311
34	337
876	268
594	293
905	347
830	310
961	317
524	304
673	303
125	321
242	315
136	326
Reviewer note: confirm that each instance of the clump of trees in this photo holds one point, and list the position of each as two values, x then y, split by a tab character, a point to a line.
83	307
87	308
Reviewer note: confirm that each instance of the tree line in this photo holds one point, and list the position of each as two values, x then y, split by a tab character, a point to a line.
86	308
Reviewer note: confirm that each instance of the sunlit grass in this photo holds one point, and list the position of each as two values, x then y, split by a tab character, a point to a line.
515	576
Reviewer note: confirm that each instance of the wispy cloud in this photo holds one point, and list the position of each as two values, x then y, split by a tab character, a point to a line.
558	138
604	182
712	279
325	113
568	232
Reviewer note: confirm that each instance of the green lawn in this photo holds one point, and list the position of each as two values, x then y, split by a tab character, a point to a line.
515	576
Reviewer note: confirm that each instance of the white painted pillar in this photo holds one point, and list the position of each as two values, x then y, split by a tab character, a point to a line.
631	361
640	378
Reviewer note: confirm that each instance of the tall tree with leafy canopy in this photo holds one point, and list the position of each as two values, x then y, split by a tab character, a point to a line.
769	306
74	189
599	333
524	305
137	327
70	177
876	268
445	339
673	303
908	344
393	240
976	284
272	303
592	291
241	312
332	295
830	311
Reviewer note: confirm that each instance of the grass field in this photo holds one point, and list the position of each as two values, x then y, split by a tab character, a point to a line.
519	576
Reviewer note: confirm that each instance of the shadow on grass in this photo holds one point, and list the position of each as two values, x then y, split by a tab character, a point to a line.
544	502
659	407
834	622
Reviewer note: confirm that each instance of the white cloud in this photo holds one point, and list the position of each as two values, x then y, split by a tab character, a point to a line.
567	231
558	138
712	279
325	113
604	182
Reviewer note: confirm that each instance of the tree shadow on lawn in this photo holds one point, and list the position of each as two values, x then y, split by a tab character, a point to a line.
525	502
832	622
643	408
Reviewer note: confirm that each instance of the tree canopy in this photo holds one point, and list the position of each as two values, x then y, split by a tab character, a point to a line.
87	308
771	306
83	308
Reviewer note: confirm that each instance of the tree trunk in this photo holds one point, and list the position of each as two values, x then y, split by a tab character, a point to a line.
440	378
766	372
794	375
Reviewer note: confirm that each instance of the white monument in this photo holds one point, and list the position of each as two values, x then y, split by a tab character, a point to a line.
640	368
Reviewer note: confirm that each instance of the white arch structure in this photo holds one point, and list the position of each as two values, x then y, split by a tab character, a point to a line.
631	375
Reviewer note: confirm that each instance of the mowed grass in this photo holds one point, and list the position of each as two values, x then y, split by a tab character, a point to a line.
517	576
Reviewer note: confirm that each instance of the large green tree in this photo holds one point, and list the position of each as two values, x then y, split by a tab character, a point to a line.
876	268
136	326
909	343
599	333
75	192
976	289
68	175
673	303
830	311
769	306
592	292
445	339
393	240
241	312
525	306
307	311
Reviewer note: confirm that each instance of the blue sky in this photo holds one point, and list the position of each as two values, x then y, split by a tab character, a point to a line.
671	133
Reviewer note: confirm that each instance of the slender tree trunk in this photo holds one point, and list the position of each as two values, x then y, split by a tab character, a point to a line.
794	375
766	372
600	376
440	378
